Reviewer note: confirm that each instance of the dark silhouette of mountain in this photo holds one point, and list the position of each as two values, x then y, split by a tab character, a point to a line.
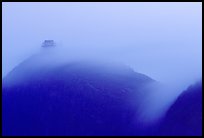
77	98
184	118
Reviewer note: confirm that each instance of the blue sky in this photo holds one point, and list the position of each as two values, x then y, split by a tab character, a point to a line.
161	40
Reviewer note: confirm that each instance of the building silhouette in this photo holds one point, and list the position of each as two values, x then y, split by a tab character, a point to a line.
48	43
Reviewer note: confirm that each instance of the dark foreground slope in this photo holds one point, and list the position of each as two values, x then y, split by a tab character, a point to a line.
76	98
184	118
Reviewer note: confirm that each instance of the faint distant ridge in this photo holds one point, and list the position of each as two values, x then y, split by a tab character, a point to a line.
43	63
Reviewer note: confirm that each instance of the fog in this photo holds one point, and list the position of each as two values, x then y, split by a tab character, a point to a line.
160	40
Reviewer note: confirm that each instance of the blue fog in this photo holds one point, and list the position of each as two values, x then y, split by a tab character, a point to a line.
160	40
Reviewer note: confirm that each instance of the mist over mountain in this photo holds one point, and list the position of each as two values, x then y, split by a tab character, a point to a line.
77	98
93	97
101	68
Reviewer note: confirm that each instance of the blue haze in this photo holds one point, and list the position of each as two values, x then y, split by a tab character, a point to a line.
161	40
158	39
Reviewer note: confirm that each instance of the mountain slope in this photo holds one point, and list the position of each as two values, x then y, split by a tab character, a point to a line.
185	115
78	98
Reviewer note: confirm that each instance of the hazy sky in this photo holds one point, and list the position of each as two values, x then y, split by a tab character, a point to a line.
161	40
